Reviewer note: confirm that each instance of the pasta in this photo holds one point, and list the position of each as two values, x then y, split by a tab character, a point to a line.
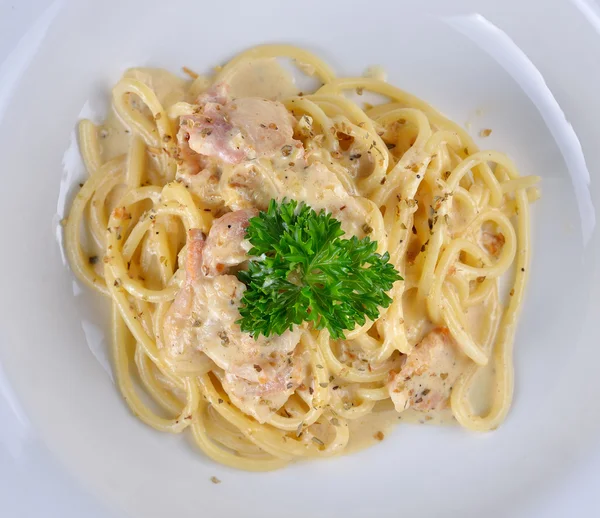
454	220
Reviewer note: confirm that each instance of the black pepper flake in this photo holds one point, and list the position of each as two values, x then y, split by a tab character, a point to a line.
311	390
257	368
93	259
220	401
414	230
367	229
318	441
224	338
425	392
286	150
355	156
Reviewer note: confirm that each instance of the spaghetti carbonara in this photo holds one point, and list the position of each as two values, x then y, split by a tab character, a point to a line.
176	173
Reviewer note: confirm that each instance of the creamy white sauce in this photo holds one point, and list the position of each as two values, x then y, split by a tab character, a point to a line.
262	78
320	188
114	138
378	425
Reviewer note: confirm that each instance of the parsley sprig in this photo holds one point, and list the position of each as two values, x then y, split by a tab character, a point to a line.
303	271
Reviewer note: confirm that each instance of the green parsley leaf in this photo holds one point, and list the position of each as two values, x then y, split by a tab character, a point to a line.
304	271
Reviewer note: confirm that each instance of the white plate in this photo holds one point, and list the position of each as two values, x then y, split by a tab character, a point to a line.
528	70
